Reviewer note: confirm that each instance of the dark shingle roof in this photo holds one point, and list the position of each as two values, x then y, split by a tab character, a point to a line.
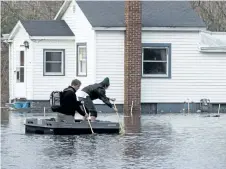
47	28
154	14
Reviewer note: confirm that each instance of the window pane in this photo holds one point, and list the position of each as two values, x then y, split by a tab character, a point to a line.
155	54
21	74
83	66
53	56
18	76
53	67
82	53
21	58
154	67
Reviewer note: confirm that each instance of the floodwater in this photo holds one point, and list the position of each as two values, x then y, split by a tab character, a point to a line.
167	141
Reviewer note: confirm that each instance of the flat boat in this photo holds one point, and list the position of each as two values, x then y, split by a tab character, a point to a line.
79	126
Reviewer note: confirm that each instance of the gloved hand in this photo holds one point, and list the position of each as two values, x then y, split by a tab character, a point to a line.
112	99
85	117
115	109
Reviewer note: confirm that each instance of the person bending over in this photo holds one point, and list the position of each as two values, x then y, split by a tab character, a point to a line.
93	92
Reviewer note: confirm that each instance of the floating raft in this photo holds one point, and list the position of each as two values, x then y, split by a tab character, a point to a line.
50	126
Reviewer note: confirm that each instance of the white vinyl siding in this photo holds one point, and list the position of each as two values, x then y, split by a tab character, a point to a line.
110	62
82	29
194	75
44	85
69	17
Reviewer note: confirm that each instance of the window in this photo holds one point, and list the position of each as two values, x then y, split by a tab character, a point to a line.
156	60
81	59
20	68
54	62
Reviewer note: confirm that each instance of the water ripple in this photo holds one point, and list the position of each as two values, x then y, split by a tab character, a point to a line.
168	141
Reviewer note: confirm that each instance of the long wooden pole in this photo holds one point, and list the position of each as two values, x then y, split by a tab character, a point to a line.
87	115
118	117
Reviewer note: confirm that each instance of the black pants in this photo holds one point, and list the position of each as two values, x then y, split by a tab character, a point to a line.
88	103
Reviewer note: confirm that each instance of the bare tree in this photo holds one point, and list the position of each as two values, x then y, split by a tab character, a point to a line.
12	11
213	14
4	74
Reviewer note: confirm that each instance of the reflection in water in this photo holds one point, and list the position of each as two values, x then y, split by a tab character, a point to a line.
60	146
4	116
147	145
68	145
132	123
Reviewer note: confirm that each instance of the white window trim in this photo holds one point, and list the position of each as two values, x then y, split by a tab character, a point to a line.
167	60
79	46
62	63
19	66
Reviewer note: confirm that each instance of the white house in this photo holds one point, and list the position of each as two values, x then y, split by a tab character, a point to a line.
85	40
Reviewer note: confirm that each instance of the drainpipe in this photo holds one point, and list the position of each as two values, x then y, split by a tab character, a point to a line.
10	72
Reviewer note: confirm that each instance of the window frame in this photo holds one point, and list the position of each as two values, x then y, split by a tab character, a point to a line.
81	45
62	73
19	67
166	46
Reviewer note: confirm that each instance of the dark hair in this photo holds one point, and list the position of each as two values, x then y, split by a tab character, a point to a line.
75	82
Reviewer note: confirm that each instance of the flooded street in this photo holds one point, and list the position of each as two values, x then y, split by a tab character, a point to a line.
167	141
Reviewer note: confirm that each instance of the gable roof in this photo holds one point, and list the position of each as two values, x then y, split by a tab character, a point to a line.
47	28
154	14
62	9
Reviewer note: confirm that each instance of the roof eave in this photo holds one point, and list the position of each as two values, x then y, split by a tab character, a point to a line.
52	37
109	28
220	49
214	33
62	9
14	31
155	28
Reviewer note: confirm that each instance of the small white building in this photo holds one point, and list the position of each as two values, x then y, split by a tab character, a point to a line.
181	60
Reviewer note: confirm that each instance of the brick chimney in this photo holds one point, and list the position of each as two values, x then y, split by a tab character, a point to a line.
132	57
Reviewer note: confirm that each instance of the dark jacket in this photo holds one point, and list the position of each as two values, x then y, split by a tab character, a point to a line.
97	91
69	102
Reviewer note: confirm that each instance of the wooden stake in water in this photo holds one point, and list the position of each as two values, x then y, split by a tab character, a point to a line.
121	131
131	110
188	106
219	109
44	111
